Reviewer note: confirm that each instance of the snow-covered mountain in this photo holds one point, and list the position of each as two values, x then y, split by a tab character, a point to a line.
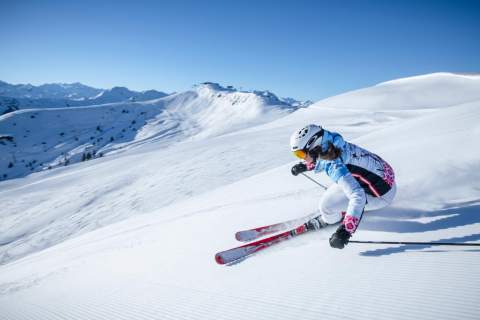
118	94
39	139
71	91
177	204
60	95
297	103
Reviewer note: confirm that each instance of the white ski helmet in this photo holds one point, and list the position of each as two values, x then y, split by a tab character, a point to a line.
306	138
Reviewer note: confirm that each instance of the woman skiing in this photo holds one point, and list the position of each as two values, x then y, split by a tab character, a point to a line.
364	181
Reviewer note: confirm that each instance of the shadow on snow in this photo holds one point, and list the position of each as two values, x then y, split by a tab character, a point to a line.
402	220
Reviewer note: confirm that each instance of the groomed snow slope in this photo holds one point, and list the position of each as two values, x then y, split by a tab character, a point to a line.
160	265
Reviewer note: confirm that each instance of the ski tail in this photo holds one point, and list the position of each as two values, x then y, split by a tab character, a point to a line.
255	233
239	253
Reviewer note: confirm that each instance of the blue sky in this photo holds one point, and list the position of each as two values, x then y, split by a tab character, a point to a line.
302	49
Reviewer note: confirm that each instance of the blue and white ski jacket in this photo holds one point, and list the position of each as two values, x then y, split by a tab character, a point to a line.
359	173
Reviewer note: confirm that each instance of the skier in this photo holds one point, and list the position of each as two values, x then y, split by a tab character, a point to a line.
364	181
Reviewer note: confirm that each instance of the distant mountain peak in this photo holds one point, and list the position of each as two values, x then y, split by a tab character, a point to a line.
53	95
297	103
120	90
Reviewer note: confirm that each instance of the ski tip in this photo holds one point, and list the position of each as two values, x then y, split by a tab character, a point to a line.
247	235
219	259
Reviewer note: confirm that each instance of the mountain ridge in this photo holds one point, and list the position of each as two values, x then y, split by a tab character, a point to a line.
59	95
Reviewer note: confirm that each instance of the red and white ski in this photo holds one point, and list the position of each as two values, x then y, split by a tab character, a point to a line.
239	253
255	233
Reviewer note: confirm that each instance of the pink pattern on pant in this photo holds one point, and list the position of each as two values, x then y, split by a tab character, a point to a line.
351	223
389	175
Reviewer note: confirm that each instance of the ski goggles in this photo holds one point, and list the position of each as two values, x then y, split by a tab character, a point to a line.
300	154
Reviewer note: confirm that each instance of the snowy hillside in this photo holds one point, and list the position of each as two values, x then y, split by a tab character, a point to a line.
434	90
176	206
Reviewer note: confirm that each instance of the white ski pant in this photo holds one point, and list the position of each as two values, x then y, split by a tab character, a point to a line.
335	201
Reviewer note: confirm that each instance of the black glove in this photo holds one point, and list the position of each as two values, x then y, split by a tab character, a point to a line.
299	168
340	238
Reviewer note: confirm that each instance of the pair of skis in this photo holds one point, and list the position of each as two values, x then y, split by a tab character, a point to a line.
295	227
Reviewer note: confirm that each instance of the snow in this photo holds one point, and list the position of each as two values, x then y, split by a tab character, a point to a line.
133	234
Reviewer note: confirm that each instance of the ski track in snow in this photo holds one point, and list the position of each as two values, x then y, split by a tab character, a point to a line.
428	280
139	243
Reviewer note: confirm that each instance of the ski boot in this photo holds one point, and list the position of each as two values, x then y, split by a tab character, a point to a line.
316	223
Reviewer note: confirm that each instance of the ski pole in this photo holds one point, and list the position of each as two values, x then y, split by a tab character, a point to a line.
419	243
314	181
